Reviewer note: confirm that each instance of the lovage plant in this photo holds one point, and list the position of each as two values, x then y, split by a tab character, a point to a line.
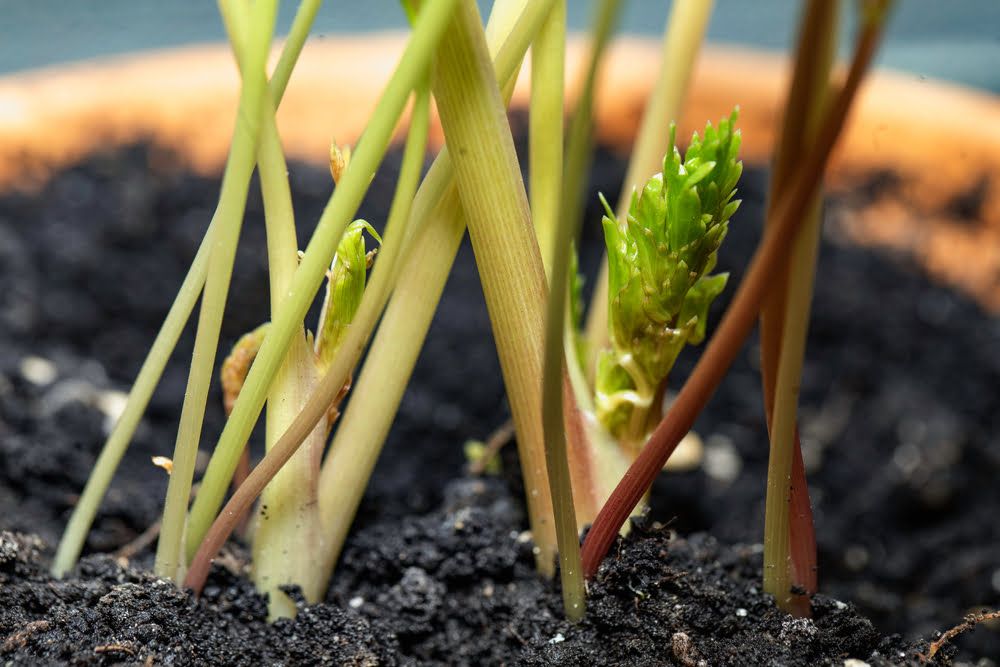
653	300
660	258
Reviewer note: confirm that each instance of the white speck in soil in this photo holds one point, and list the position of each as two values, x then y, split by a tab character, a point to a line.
356	602
856	557
112	404
722	461
38	371
797	630
65	393
557	639
907	458
741	612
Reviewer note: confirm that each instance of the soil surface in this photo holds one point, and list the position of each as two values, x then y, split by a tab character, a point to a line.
898	421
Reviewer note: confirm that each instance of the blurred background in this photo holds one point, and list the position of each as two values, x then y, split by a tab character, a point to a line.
957	40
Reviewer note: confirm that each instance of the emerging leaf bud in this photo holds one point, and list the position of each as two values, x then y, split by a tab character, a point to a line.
339	159
659	258
345	287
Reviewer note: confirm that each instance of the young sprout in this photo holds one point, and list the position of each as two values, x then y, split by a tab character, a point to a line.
288	533
743	311
660	289
339	158
344	289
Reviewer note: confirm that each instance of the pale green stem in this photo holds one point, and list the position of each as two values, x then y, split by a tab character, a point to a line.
492	193
279	216
166	339
142	390
315	407
387	369
545	129
287	535
312	269
682	40
804	113
556	234
580	139
509	31
297	35
777	566
232	202
433	236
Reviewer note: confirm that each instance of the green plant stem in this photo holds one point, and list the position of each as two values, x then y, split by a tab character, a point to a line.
777	533
312	268
510	268
545	129
509	31
579	137
305	15
739	317
287	535
784	322
682	40
142	390
315	408
163	345
595	460
555	239
386	372
232	201
433	236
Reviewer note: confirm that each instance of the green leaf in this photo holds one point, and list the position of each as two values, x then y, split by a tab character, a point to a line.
344	289
694	314
658	259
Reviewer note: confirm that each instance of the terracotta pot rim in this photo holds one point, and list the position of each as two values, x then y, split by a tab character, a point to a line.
53	112
940	141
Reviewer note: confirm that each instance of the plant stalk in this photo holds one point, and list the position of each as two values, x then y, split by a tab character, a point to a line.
327	391
595	460
579	137
166	340
784	322
434	234
287	535
683	36
777	528
312	268
118	441
555	238
170	561
545	129
492	193
739	317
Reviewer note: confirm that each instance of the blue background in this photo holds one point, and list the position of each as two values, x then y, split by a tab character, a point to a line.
951	39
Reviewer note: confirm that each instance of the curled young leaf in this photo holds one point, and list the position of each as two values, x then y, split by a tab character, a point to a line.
344	289
658	259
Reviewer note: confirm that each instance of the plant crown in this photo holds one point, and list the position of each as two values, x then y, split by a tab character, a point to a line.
659	259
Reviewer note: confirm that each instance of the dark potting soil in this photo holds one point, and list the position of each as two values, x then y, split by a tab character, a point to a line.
898	422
